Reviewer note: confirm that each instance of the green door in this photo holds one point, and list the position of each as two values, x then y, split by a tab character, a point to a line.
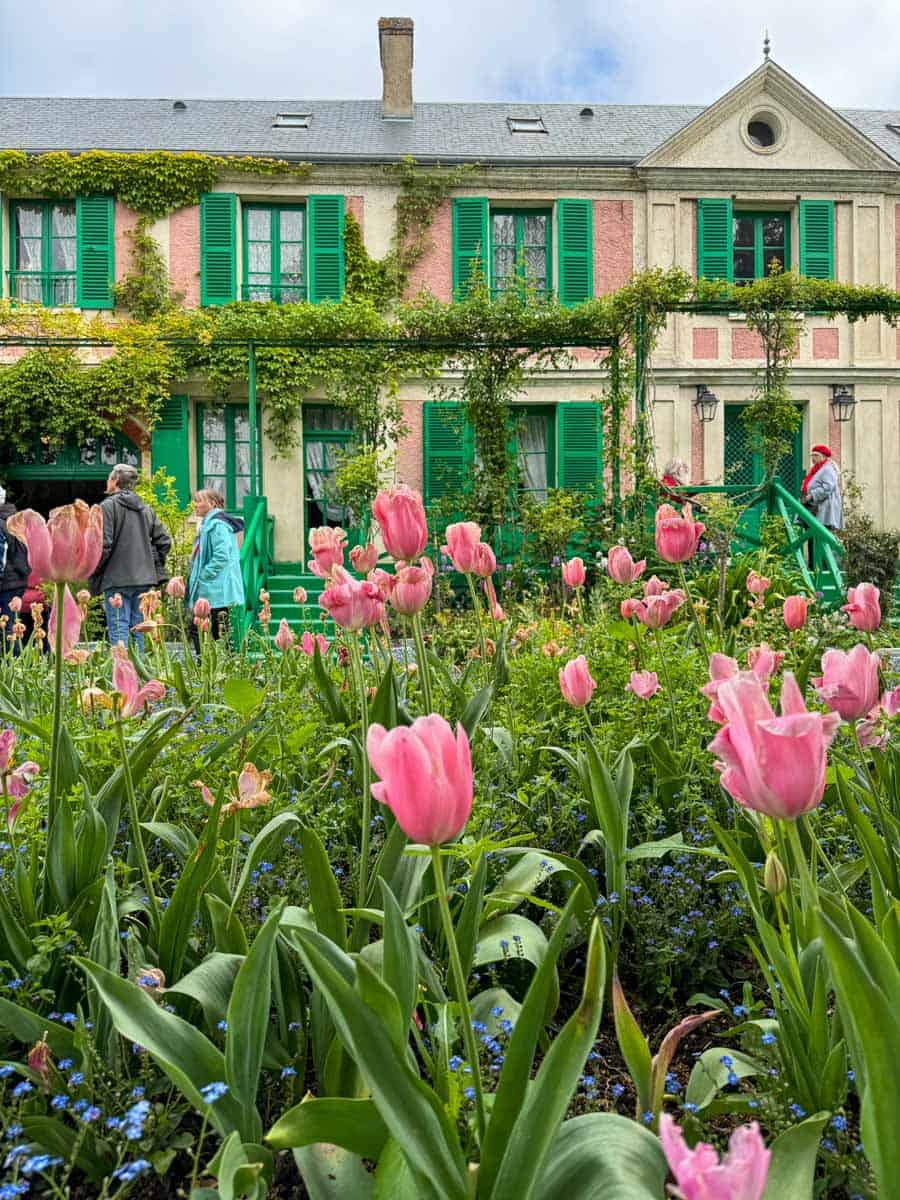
744	467
327	431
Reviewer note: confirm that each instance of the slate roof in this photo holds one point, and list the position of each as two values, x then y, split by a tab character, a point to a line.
354	131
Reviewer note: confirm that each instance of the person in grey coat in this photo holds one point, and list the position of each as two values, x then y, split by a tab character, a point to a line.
133	558
821	490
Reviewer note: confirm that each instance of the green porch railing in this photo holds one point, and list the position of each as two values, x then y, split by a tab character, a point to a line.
257	557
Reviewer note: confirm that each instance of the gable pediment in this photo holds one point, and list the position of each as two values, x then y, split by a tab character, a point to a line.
809	134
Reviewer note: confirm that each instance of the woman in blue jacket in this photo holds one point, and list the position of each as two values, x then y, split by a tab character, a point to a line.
215	571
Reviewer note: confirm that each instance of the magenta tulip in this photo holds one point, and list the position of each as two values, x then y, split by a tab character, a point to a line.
575	682
773	764
364	558
327	544
426	777
462	538
352	603
863	607
65	548
412	588
71	623
125	681
794	612
849	682
401	517
621	566
644	684
284	638
573	573
676	537
699	1175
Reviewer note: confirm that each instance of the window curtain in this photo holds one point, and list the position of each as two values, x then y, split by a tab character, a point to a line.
532	447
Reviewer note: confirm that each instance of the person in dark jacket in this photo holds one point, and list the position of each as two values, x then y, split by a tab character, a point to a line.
14	578
133	559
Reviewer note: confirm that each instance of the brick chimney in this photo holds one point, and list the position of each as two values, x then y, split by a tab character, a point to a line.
395	42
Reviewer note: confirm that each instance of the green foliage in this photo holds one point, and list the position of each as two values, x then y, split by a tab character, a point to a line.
551	524
158	490
145	291
421	193
870	553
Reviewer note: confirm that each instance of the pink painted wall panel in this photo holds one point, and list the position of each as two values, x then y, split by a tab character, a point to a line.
613	244
434	270
745	343
124	219
409	449
825	343
356	207
834	435
706	343
184	253
698	460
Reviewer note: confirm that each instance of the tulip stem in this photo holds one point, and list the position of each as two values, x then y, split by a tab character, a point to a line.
669	692
807	886
690	599
459	983
59	590
358	674
477	610
422	662
136	826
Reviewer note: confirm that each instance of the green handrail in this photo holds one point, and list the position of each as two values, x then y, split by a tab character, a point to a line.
822	572
256	560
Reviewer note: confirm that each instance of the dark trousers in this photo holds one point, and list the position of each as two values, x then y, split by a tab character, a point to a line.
218	626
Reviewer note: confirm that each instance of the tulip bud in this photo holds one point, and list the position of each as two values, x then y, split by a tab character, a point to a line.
201	608
175	588
15	605
774	877
299	595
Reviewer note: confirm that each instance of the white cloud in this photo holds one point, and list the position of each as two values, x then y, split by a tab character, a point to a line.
689	51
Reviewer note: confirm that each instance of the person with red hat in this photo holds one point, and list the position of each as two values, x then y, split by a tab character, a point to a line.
820	491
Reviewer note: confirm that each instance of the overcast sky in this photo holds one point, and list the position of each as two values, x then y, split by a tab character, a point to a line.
615	51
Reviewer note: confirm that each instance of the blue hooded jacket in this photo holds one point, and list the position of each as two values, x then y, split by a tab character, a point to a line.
215	573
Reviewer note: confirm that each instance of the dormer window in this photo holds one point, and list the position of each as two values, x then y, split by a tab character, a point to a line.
291	121
526	125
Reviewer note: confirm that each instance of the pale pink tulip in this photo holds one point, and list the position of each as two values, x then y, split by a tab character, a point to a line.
644	684
575	682
299	595
773	764
364	558
401	517
65	548
284	638
849	681
757	585
890	702
654	586
762	662
741	1175
676	536
863	607
202	608
352	603
115	600
18	784
485	562
384	581
412	588
462	538
794	612
125	681
71	623
308	643
251	786
175	588
621	566
327	544
573	573
630	607
654	611
426	777
7	746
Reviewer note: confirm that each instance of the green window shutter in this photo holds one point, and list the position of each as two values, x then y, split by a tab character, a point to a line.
579	441
715	258
326	248
94	231
576	251
448	449
470	240
169	445
817	238
218	256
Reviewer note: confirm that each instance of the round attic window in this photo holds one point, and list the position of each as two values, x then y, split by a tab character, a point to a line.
763	132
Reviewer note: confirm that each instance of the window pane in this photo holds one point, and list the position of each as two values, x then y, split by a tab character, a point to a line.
292	259
214	425
28	254
774	256
291	225
28	287
744	264
536	265
213	458
743	231
87	452
773	231
62	255
318	416
215	482
241	489
28	220
504	264
504	228
241	425
259	224
535	230
259	258
63	290
242	458
62	220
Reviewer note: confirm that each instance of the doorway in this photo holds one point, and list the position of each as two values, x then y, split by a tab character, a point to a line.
44	477
327	433
744	465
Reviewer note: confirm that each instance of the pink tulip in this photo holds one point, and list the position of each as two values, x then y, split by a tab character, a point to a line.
575	682
251	785
401	516
462	539
644	684
741	1175
763	663
15	604
7	746
308	643
364	558
125	681
284	638
299	595
573	573
65	548
775	765
794	612
71	623
757	585
327	545
863	607
621	566
115	600
676	537
426	777
630	607
849	682
384	581
352	603
890	702
412	588
175	588
654	611
497	613
654	586
484	563
18	785
202	608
